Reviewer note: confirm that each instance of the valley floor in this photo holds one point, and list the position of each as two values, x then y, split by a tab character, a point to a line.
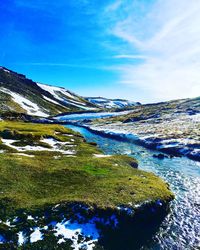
172	127
56	190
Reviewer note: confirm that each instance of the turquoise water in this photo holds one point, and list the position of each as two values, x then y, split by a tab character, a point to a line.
83	116
181	229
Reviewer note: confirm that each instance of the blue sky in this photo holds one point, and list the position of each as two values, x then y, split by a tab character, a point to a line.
143	50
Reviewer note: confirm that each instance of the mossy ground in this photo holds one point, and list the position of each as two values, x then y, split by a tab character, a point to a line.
32	183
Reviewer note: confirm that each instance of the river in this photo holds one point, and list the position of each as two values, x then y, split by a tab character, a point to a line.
82	116
181	228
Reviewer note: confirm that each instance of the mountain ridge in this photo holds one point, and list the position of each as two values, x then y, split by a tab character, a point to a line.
22	95
103	102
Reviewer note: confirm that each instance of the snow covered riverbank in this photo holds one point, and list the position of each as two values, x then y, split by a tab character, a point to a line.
177	136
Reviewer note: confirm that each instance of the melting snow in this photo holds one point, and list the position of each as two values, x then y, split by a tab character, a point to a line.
50	100
52	142
82	235
30	217
53	91
101	156
80	105
109	103
36	235
30	107
61	241
63	95
71	231
21	238
8	142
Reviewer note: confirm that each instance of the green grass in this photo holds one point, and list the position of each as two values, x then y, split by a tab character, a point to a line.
32	183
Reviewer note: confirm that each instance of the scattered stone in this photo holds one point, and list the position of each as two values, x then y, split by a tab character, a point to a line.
160	156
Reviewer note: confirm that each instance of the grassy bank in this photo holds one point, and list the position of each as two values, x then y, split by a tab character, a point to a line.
33	178
42	166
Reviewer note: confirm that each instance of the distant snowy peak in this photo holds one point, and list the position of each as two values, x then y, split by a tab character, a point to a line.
111	103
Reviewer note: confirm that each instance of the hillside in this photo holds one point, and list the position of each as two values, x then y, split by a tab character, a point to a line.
20	94
106	103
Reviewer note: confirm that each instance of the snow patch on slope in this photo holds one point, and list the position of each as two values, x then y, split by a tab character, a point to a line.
30	107
54	91
64	96
50	100
56	146
79	105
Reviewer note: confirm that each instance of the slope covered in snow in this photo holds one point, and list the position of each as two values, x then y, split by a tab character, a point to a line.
22	95
30	107
66	97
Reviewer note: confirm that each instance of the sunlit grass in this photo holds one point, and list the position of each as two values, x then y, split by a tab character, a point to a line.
29	183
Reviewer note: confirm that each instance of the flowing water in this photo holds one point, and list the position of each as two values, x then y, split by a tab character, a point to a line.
94	115
181	229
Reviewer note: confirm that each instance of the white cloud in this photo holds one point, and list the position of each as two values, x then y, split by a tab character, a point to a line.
167	38
113	6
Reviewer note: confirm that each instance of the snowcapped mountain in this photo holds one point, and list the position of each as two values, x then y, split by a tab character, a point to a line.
22	95
102	102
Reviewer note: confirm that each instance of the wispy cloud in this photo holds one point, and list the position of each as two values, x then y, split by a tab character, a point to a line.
130	56
167	38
